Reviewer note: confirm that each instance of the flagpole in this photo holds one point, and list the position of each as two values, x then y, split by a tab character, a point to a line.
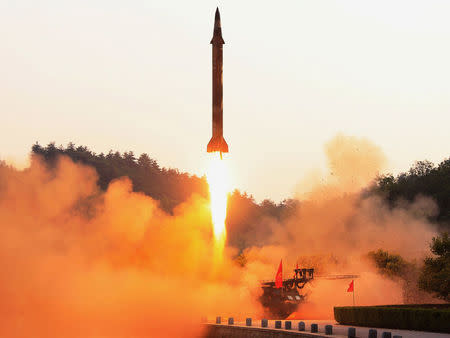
353	292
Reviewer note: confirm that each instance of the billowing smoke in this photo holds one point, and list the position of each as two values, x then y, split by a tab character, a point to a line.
338	223
78	261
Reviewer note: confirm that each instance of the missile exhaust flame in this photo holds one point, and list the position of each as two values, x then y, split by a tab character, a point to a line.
217	176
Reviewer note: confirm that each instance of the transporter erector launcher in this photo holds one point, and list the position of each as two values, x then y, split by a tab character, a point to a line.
217	142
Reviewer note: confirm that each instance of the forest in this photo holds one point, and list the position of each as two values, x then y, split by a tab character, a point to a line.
171	187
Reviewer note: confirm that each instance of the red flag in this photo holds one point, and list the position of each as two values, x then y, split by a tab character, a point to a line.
297	266
350	287
279	276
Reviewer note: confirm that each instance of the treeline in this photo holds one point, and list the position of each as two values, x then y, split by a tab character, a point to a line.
249	223
171	187
424	178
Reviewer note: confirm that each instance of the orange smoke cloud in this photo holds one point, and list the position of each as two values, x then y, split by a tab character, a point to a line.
353	162
337	224
78	262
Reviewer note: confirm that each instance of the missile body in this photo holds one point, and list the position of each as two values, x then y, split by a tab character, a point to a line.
217	142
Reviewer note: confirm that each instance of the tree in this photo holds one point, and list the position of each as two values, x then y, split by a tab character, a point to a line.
390	265
386	182
36	148
406	273
144	161
421	168
129	158
435	276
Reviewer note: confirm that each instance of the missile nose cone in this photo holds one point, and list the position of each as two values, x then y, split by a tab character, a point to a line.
217	36
217	19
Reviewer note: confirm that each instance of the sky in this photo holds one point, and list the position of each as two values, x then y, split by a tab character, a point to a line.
136	75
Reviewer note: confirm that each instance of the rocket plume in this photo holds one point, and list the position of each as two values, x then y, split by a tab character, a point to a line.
217	177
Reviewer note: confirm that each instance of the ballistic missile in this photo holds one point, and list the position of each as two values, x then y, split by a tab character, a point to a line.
217	142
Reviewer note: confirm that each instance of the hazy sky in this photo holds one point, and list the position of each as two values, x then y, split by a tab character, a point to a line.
136	75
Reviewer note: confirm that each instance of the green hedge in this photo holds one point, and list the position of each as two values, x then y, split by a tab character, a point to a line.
421	306
427	318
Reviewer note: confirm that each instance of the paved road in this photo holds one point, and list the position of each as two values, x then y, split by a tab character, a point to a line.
342	329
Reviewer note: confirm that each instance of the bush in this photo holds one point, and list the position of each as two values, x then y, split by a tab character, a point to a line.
431	317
